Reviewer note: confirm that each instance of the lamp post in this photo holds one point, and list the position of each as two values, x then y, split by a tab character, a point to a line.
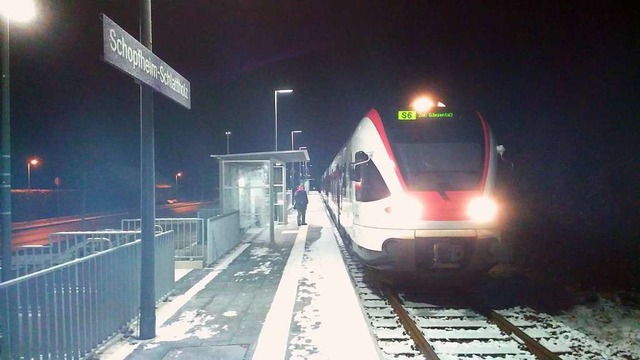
178	175
275	94
302	165
30	163
22	11
228	133
292	133
293	171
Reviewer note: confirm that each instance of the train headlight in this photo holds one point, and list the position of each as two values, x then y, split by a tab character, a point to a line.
422	103
482	210
405	207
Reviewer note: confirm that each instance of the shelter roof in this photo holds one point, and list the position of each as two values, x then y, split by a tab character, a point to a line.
287	156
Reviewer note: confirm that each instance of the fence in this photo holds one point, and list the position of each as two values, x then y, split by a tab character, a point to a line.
189	235
223	233
84	287
66	246
208	213
196	239
68	310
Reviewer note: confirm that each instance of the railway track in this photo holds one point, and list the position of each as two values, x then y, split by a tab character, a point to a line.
444	325
454	331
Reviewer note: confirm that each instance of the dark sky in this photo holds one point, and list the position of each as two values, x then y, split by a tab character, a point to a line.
555	79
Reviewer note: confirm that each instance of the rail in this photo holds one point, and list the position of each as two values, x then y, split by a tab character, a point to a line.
190	232
68	310
199	239
66	246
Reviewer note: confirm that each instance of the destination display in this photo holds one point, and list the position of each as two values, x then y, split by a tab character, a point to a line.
411	115
127	54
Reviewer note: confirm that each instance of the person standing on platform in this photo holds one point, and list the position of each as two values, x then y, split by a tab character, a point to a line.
300	201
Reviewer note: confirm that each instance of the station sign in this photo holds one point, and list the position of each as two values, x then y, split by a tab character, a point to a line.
126	53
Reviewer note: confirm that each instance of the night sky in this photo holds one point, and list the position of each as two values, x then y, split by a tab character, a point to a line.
558	82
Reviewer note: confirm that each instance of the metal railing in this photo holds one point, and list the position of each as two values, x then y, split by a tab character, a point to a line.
66	246
190	232
198	239
208	213
223	233
164	263
68	310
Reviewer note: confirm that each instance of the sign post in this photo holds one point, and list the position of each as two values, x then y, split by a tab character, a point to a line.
136	59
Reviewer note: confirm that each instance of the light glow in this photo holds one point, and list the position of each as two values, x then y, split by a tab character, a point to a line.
405	208
482	210
422	104
18	10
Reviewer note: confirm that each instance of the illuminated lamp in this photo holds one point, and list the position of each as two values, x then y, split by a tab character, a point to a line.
405	208
482	210
422	103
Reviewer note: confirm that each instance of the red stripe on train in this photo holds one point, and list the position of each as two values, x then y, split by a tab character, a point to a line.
435	208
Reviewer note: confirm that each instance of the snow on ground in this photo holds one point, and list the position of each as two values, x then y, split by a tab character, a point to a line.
326	323
605	328
611	323
191	323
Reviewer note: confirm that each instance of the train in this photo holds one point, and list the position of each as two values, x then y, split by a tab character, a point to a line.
414	191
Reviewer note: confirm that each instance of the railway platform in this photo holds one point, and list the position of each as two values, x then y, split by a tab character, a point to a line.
287	299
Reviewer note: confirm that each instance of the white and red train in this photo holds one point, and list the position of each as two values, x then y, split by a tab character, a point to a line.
415	192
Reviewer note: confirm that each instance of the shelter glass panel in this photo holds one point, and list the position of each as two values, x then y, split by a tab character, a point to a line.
279	176
246	188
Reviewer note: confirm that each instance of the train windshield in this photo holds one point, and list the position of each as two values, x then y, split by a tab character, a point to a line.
440	153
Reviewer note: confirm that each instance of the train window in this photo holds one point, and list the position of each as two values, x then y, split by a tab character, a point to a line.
371	186
355	169
441	166
445	154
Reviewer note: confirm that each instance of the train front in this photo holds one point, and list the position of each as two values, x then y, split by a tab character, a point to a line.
442	201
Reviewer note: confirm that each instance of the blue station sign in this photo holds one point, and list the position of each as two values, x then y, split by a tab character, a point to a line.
126	53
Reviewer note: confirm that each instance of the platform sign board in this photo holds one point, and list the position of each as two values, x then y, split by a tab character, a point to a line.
126	53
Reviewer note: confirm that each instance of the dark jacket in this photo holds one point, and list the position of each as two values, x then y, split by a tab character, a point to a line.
300	199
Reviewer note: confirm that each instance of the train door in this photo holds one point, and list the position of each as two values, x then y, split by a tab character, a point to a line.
347	199
339	185
356	169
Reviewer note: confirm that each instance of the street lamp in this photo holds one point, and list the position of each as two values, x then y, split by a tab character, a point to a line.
228	133
302	165
294	132
21	11
175	193
30	163
293	171
18	10
287	91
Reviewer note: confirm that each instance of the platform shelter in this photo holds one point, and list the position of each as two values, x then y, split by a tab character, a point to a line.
256	185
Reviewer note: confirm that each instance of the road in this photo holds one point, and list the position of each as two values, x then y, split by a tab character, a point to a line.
37	232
